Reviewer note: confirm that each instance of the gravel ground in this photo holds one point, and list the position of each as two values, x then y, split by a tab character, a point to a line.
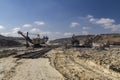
63	64
27	69
86	64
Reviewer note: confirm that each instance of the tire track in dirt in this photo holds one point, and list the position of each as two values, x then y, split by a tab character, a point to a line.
36	69
74	68
32	69
11	72
99	70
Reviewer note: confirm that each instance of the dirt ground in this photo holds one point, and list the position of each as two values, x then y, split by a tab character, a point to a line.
86	64
27	69
64	64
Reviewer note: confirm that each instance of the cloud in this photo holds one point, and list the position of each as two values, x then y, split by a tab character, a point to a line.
39	23
34	30
38	31
2	27
5	33
85	28
74	24
10	34
15	30
85	32
68	34
27	25
57	32
106	23
89	16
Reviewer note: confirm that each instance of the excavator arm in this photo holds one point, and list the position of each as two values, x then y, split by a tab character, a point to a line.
27	38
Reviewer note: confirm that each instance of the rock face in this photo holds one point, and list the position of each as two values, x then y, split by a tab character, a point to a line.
8	42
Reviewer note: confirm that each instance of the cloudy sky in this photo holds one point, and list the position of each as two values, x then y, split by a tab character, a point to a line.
59	18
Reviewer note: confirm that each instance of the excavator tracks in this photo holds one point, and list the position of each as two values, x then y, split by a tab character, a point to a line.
36	54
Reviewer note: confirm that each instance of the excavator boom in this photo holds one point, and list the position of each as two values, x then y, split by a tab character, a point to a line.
26	37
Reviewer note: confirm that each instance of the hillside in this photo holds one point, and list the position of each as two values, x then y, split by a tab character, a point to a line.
9	41
82	38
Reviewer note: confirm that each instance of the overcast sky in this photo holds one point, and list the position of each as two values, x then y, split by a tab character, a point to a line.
59	18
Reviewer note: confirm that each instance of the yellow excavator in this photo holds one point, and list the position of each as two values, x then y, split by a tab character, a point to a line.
36	42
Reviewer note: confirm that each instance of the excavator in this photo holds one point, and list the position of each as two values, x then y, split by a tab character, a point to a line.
75	42
99	43
90	42
36	42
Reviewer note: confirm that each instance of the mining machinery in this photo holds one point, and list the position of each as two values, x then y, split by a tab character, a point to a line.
36	42
91	42
75	42
100	43
88	42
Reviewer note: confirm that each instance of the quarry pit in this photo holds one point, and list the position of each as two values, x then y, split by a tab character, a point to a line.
61	64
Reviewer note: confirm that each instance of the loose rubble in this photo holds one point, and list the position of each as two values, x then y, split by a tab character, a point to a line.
86	64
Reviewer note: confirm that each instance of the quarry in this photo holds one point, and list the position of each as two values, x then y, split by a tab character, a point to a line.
74	58
59	39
